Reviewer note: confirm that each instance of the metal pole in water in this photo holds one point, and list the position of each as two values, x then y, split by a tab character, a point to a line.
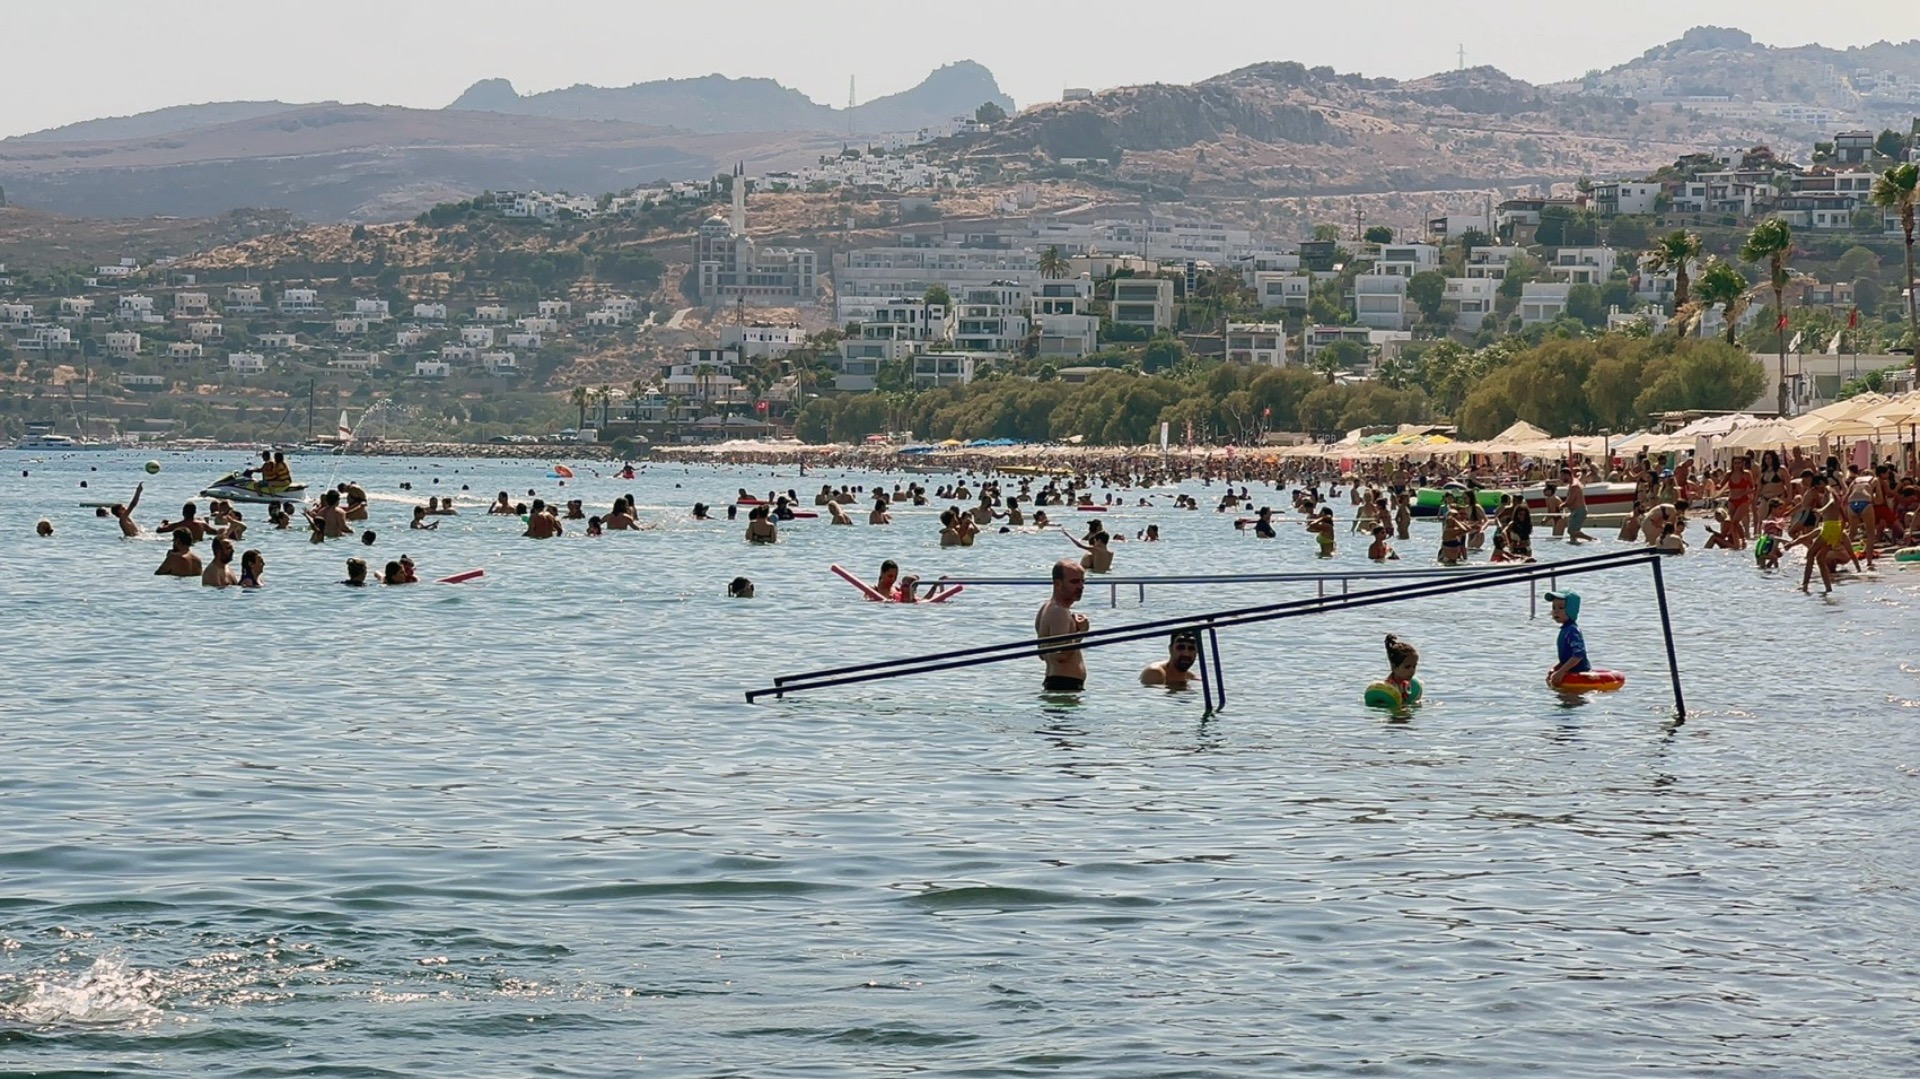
1666	630
1206	689
1219	677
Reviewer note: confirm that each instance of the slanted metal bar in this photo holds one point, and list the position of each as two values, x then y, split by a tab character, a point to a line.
1213	640
1666	630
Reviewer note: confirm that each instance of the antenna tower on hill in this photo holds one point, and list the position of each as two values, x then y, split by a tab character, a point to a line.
850	79
1463	56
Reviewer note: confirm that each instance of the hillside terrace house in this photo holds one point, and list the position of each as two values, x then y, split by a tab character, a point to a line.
1658	289
1380	302
500	364
410	337
555	309
206	331
125	268
1517	218
490	312
707	376
459	354
185	351
1491	262
1263	344
1853	147
244	300
1583	265
432	369
1142	302
932	370
1405	260
1449	227
1059	314
356	361
1321	336
1543	301
246	363
190	305
299	301
143	382
16	314
47	339
524	340
1283	291
279	342
75	308
430	312
1616	198
1817	211
624	306
762	340
478	336
893	331
123	344
604	319
137	308
993	319
370	310
534	324
1473	297
867	278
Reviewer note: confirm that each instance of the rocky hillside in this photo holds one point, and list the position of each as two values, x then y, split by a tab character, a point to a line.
1281	129
369	163
715	103
168	121
1714	61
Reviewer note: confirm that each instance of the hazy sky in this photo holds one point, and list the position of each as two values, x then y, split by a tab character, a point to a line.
67	61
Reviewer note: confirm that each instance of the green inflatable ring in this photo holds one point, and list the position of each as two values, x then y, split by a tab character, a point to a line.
1387	695
1907	554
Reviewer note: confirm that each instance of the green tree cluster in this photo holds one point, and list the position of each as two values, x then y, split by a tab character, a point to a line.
1615	382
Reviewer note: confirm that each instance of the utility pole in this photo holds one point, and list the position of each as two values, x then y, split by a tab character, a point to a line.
1463	56
850	99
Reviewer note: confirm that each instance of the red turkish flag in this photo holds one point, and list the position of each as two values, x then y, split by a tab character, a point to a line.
1783	323
1853	319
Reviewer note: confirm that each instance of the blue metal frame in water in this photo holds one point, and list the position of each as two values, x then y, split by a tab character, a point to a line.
1209	626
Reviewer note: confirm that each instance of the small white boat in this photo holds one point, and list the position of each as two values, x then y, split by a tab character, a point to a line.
235	487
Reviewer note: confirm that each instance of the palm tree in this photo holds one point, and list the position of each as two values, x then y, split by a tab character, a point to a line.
1899	189
1771	242
1326	362
579	399
1721	285
1053	264
606	401
1676	251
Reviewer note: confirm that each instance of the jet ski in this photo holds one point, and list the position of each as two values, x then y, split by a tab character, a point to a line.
239	487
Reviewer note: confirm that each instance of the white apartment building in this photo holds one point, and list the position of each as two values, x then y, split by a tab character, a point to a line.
1492	262
706	375
1473	297
1263	344
50	339
1380	302
1145	302
867	278
123	343
1176	241
993	319
1067	337
762	340
932	370
477	336
1543	301
246	363
1584	265
1405	260
430	312
1283	291
1063	296
1619	197
299	301
1452	226
894	330
279	342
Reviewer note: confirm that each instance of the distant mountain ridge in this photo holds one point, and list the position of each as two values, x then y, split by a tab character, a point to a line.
171	120
716	103
1718	61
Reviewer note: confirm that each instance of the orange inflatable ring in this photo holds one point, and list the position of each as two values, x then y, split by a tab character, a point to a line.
1593	680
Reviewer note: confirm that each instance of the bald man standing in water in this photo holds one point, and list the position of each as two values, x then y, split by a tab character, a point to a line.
1057	621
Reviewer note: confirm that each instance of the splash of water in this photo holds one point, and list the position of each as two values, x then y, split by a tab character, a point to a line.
109	993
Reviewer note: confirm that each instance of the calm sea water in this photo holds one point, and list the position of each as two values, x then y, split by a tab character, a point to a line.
529	826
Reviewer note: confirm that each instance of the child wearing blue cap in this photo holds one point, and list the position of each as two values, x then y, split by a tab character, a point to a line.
1573	647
